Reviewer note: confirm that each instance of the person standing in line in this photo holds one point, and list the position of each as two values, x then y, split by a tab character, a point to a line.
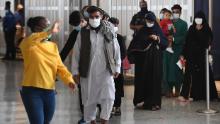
137	22
9	29
96	61
119	81
173	75
199	38
150	42
42	64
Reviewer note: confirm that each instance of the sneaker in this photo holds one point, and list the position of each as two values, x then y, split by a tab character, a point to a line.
81	121
118	111
170	50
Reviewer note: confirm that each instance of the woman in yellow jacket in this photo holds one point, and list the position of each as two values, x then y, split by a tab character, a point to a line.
42	64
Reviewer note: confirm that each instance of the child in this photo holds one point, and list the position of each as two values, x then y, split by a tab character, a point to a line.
119	81
168	28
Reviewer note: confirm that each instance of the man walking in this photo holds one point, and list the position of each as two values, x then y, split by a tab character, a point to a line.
96	61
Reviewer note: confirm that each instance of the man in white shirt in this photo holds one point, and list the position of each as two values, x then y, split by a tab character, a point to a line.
96	61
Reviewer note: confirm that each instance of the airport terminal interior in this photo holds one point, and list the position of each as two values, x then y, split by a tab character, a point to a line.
67	109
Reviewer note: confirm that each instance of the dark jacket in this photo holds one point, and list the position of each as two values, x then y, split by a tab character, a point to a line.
69	45
197	40
142	41
121	42
9	22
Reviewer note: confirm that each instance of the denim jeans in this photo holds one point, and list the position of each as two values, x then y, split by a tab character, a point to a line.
39	104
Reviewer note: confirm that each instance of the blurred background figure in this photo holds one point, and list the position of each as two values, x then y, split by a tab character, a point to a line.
138	20
20	32
9	29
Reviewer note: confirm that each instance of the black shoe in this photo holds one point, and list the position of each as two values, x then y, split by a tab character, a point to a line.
81	121
117	111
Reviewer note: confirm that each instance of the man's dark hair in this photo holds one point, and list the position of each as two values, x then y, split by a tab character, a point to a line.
114	20
75	18
177	6
93	9
7	5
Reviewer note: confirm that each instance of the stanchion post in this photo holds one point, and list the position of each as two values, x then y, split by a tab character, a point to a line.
207	110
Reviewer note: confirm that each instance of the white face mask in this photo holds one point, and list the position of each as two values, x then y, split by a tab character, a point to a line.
198	21
95	22
176	16
149	25
161	15
115	29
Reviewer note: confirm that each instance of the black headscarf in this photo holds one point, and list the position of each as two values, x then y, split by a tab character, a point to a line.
206	29
198	40
200	14
150	16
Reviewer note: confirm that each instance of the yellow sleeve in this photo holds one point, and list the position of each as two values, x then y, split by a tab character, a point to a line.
62	71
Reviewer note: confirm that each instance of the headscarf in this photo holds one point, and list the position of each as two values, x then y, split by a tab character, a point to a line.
150	16
200	14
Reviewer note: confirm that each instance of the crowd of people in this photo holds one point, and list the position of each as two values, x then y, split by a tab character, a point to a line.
166	54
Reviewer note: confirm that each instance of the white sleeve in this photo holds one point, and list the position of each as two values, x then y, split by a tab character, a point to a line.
76	55
117	55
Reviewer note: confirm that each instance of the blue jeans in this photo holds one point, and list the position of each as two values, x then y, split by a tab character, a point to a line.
39	104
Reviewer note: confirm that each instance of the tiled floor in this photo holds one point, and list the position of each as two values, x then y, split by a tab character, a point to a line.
67	110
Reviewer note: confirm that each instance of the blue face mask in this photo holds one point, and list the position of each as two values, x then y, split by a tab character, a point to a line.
77	28
86	14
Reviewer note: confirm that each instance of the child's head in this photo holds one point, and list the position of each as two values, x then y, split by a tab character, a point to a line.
167	14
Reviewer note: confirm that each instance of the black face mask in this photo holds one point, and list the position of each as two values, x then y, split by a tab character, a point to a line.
144	9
